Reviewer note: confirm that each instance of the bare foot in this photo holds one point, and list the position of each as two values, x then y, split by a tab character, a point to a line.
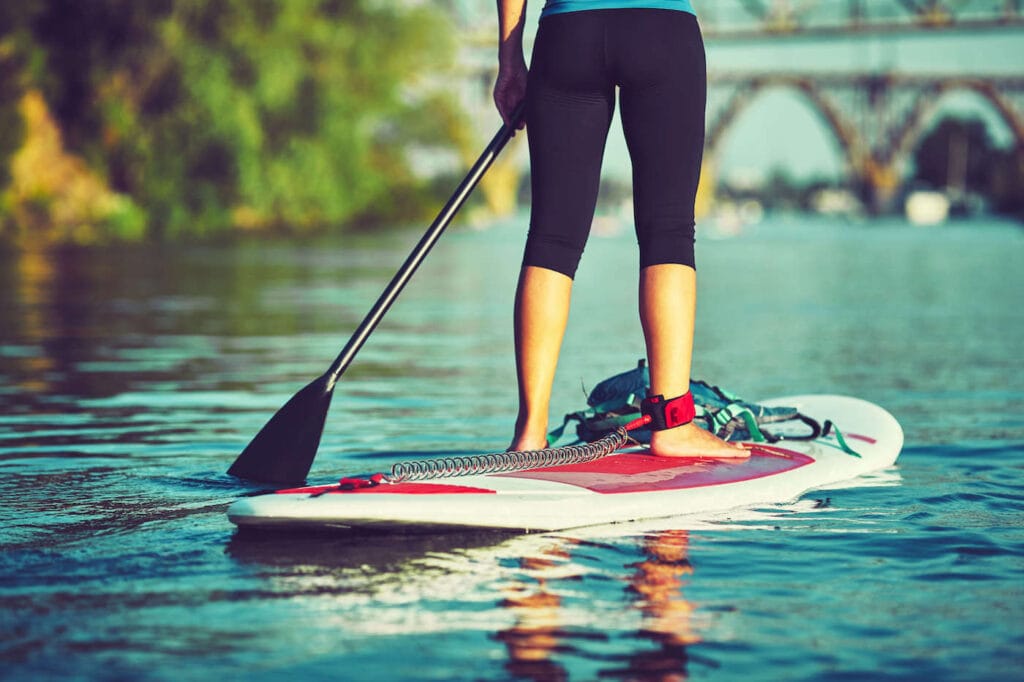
689	440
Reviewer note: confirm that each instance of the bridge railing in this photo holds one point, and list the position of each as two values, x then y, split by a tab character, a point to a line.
771	19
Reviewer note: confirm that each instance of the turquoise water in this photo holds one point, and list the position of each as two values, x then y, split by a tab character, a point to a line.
130	380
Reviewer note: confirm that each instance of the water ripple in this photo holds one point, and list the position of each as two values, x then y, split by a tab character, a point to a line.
123	398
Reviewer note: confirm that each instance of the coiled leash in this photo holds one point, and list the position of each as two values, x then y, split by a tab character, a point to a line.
656	414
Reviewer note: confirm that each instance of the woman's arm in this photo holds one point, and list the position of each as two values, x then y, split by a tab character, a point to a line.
510	87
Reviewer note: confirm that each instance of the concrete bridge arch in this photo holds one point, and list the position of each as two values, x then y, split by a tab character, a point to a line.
876	120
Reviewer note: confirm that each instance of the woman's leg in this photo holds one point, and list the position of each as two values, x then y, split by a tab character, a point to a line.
668	298
663	88
568	111
541	313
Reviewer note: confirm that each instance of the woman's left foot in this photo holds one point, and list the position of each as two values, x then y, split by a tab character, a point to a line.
525	444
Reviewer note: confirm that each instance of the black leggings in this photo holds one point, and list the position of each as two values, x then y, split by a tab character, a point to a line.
656	58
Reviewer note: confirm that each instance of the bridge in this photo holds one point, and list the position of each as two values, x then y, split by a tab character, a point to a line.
876	118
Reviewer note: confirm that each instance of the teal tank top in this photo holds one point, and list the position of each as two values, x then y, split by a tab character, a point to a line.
562	6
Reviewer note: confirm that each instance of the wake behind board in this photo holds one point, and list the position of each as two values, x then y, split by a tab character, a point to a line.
625	486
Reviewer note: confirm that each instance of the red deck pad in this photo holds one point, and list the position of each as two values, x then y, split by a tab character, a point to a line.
634	473
392	488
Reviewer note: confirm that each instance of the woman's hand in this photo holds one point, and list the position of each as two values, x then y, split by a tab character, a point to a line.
510	89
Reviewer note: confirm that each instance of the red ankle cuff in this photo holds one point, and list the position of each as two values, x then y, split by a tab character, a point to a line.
668	414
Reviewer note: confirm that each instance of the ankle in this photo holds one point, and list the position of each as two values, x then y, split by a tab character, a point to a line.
528	425
523	443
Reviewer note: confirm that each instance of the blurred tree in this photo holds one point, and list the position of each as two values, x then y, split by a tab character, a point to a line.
15	48
210	114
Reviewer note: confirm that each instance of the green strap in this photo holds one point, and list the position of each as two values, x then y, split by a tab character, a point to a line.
556	435
734	410
832	428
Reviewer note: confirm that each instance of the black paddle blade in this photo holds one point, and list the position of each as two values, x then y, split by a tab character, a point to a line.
283	451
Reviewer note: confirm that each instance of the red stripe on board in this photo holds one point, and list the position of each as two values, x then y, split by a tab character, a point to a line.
392	488
634	473
419	489
866	439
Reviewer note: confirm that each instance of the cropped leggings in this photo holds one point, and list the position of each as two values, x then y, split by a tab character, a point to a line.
656	59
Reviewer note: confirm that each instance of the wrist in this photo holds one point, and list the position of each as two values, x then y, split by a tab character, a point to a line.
510	54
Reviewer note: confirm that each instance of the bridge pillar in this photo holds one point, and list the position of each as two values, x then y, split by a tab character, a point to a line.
880	183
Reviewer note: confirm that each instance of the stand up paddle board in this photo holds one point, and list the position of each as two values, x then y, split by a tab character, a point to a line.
627	485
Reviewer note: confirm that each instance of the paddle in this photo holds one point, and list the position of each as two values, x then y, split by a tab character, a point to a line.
283	451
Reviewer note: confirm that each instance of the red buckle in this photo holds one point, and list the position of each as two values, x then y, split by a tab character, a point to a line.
668	414
360	483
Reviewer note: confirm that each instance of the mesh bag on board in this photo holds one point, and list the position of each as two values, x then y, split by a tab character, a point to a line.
615	402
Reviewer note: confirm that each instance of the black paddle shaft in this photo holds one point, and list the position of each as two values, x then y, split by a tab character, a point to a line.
420	252
284	449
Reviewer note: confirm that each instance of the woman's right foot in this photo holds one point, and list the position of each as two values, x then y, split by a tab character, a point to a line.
689	440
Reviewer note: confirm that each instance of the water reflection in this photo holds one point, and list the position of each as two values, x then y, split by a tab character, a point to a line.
667	615
539	631
37	317
637	622
283	552
542	634
70	318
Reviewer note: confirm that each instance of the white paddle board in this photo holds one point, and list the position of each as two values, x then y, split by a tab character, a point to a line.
625	486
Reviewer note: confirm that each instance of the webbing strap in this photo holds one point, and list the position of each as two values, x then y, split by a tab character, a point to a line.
734	410
715	419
